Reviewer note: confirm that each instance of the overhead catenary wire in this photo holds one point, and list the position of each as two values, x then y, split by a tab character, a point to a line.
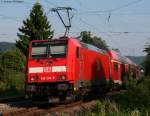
51	3
92	26
107	12
114	9
9	18
117	14
104	12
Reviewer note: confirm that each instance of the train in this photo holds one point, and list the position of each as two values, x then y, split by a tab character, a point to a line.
66	68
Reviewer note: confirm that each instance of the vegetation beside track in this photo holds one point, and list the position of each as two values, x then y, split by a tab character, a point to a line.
12	74
134	102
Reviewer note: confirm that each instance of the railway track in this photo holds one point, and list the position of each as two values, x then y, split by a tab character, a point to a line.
18	108
69	109
12	98
25	108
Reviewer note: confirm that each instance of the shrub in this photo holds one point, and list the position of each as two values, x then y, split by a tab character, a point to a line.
137	95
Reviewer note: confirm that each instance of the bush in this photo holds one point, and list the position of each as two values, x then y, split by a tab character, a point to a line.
13	85
137	96
108	108
12	79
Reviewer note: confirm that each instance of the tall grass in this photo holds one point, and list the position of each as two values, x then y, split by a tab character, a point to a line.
134	102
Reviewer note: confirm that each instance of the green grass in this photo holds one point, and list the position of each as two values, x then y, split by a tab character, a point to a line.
134	102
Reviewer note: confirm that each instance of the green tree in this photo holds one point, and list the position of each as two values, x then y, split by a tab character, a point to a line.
98	42
86	37
36	27
11	75
12	60
147	61
1	71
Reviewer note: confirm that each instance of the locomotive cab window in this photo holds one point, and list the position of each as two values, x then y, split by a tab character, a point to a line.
47	50
57	50
39	50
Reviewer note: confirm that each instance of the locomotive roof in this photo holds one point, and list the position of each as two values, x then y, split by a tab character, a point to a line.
77	42
87	46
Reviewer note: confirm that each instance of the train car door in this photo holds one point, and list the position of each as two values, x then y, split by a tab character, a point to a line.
119	72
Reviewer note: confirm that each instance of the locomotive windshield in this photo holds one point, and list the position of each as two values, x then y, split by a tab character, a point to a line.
47	50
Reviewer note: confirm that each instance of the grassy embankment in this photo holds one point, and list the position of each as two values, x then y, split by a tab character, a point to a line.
134	102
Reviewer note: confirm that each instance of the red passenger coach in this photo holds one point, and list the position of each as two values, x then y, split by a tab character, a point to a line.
116	66
64	68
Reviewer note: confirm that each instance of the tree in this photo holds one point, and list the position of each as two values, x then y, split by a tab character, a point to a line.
147	50
36	27
12	60
86	37
11	73
98	42
147	61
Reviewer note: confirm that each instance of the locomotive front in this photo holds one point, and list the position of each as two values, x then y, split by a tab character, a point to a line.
47	70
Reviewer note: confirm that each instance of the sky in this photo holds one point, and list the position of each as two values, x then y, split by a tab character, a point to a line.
123	24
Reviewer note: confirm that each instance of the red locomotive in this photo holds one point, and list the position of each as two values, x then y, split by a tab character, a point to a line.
66	68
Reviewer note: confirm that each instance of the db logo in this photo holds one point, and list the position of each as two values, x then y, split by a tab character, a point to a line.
47	69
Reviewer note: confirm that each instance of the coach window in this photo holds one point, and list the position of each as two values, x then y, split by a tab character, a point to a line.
98	65
115	66
77	52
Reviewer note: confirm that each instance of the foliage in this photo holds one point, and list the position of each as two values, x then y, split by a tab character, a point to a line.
108	108
12	78
96	41
136	97
13	60
86	37
134	102
147	61
36	27
147	65
147	50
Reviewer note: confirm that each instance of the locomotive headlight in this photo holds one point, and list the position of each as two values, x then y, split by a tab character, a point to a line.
63	77
33	78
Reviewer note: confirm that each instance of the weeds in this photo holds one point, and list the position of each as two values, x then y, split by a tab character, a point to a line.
134	102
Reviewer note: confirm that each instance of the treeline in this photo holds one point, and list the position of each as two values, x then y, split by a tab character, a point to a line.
12	76
147	61
6	46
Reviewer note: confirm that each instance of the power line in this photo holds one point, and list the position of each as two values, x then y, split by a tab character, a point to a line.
10	18
114	9
51	3
126	32
80	3
94	27
114	14
108	12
